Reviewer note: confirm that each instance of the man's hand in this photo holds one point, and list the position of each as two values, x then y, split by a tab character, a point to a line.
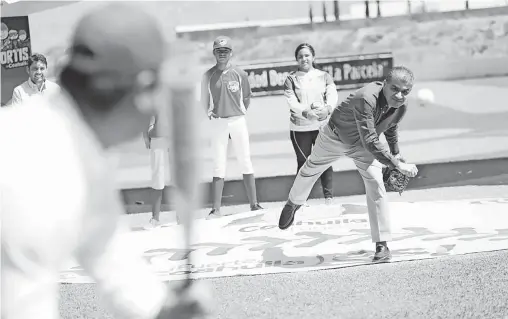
310	114
191	302
407	169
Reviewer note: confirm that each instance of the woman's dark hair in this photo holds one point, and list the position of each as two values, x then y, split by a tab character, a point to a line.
308	46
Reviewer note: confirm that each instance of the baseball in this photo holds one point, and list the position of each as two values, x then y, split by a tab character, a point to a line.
425	96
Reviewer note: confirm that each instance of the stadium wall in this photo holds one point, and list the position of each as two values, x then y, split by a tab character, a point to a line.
260	31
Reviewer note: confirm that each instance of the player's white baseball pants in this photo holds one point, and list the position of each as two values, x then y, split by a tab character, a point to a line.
328	149
159	162
222	128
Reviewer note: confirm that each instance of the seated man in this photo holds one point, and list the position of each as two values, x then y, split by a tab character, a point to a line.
37	84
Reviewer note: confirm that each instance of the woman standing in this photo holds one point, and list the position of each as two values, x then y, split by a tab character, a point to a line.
311	95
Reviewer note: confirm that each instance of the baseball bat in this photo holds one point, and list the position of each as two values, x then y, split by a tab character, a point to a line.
183	116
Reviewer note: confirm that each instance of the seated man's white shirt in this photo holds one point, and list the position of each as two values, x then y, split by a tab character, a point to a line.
58	200
29	89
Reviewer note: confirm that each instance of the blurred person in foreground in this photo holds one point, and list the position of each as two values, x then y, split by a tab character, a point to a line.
311	95
37	84
353	131
63	202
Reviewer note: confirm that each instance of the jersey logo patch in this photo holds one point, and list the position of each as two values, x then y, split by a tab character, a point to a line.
233	86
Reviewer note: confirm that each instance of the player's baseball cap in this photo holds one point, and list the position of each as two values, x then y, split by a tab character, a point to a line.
116	39
222	42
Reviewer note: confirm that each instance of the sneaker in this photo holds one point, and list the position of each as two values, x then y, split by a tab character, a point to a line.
215	213
328	201
382	254
152	224
256	207
287	217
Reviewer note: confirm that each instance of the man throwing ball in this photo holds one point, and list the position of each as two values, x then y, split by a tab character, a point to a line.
353	131
63	202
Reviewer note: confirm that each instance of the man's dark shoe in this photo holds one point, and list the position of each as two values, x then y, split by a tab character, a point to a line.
382	254
215	213
287	217
256	207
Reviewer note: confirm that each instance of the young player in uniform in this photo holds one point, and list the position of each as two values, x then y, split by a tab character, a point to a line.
311	95
63	203
225	94
37	84
157	141
353	131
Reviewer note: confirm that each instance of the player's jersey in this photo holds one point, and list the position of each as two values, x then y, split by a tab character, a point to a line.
58	202
226	93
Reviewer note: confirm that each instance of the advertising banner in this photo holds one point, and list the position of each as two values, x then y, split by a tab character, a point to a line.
15	52
322	237
348	72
